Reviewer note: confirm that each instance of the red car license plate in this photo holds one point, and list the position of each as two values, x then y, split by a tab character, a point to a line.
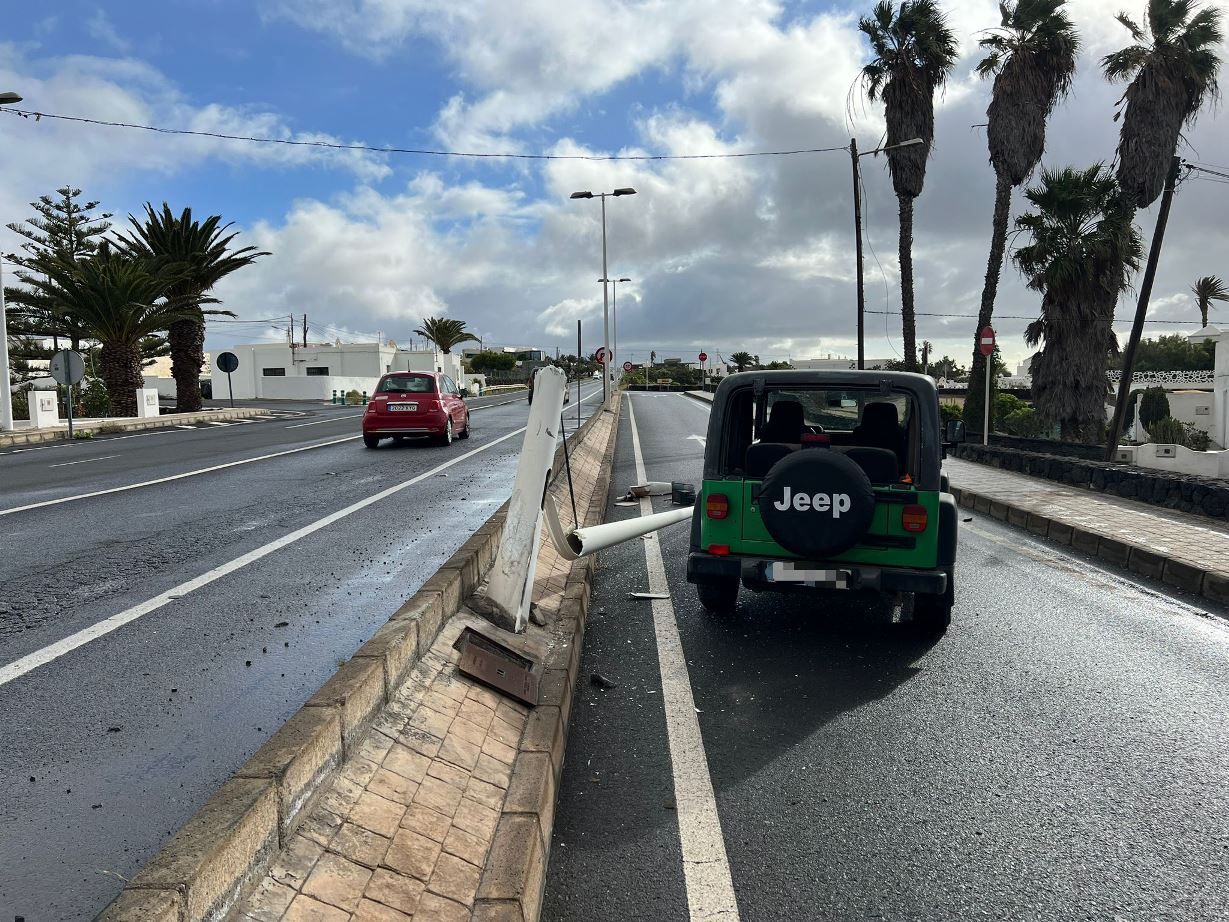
403	406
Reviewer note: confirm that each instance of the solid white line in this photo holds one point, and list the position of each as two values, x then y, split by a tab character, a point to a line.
322	421
32	661
84	461
150	483
706	869
214	422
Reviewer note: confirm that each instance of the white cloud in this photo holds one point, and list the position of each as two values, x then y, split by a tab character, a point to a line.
101	29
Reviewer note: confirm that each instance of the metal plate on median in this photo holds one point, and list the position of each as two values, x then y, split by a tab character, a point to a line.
800	574
501	668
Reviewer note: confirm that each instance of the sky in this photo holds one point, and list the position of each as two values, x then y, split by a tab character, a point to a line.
724	254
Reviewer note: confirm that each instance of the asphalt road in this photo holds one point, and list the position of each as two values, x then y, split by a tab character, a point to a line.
1061	753
111	746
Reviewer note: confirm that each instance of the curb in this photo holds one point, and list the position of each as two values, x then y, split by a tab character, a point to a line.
17	437
211	863
514	878
1138	559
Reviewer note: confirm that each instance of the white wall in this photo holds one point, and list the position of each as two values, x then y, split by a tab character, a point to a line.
314	388
164	386
1185	461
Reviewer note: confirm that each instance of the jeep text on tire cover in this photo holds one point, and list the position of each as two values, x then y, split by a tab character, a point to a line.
836	503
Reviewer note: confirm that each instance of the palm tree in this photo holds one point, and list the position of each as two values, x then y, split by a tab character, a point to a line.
914	51
445	333
1032	56
1172	70
202	249
1083	248
1209	289
118	299
742	360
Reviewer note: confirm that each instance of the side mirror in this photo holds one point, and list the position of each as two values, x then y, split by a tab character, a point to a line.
955	431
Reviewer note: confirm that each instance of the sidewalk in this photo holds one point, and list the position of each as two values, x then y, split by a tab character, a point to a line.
1185	551
445	812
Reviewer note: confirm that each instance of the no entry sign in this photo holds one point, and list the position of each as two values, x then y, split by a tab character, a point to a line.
703	356
985	341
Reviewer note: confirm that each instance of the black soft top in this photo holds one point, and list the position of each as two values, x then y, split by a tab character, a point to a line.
920	387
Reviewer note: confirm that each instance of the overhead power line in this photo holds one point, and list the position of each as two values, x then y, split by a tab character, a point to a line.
481	155
1017	317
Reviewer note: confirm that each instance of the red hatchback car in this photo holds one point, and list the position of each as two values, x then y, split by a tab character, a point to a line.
414	404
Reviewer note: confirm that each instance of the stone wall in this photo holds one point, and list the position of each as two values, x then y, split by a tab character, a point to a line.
1184	492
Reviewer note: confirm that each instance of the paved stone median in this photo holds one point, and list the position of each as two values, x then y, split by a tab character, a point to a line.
1188	552
444	811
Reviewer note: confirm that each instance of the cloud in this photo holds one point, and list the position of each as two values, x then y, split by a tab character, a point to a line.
101	29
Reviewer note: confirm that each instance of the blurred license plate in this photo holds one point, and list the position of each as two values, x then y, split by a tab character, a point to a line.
403	406
798	573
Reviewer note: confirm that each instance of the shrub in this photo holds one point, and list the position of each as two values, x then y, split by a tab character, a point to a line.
354	398
1024	422
1003	406
1197	439
83	434
1167	431
949	411
21	403
110	428
1153	406
95	400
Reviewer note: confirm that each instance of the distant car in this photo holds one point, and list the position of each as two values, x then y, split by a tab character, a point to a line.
415	404
567	396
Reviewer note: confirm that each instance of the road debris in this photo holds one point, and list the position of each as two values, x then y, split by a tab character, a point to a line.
648	595
601	681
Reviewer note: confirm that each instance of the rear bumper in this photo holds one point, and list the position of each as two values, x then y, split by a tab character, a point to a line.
383	424
702	567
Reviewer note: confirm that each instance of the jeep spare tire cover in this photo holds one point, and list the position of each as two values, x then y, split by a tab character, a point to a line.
816	503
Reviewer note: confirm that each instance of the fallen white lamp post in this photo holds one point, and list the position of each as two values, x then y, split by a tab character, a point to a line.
581	542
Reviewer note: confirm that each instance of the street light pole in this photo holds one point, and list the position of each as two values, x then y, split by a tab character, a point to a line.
857	224
606	372
614	322
6	386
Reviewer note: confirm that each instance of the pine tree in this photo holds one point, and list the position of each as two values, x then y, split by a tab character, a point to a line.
64	230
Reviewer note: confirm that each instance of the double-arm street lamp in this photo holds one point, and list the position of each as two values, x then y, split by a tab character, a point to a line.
605	295
6	387
857	226
614	323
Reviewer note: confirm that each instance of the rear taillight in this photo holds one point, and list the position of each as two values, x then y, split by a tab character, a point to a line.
720	550
913	519
716	506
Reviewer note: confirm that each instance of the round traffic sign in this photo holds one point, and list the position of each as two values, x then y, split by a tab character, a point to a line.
985	341
600	355
67	367
627	366
703	356
227	361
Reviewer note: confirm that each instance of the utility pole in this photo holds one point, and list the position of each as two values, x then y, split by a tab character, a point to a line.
290	332
1141	311
305	331
857	230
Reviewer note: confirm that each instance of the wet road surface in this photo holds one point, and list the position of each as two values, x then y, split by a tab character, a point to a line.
1061	753
110	747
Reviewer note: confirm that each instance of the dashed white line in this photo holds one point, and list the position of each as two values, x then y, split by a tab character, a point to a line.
32	661
320	422
83	461
706	868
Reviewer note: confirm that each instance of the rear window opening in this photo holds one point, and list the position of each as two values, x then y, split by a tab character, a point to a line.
877	430
408	384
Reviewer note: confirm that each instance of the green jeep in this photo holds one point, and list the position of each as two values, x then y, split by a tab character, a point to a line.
826	479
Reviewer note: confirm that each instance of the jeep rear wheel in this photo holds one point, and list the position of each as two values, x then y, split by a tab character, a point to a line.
718	596
932	614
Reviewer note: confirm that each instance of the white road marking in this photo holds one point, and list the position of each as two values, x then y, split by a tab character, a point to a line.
215	422
150	483
703	440
32	661
84	461
319	422
182	426
706	869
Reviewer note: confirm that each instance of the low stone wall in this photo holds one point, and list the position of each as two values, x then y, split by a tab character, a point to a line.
1048	446
1184	492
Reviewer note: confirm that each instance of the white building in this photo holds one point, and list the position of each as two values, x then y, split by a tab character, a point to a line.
278	371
